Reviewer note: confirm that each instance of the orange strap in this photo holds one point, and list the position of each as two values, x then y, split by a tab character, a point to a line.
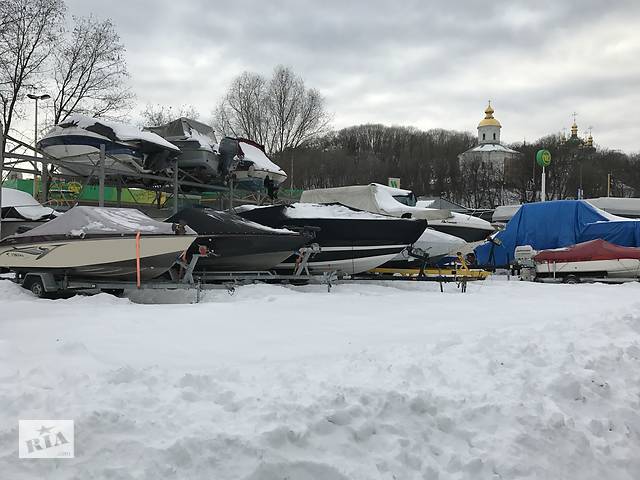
138	259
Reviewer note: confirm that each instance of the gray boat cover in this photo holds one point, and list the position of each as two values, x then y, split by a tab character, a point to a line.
81	221
374	198
186	129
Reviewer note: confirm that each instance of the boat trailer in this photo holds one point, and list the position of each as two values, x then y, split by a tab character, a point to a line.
183	277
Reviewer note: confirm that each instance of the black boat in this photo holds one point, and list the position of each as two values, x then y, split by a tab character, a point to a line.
232	243
351	241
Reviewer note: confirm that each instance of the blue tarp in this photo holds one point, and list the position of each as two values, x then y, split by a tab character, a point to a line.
556	224
625	233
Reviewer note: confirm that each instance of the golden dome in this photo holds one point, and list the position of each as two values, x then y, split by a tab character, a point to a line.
488	119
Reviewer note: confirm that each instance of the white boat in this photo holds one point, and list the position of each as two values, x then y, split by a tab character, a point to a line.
592	259
248	162
128	149
376	198
20	211
97	243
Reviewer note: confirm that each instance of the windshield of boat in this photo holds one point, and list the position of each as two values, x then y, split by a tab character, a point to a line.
408	200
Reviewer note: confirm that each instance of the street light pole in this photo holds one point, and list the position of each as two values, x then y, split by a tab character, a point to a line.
1	171
45	172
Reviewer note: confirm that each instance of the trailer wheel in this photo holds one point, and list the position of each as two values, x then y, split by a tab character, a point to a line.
37	288
572	279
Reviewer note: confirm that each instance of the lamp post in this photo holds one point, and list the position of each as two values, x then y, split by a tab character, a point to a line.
45	172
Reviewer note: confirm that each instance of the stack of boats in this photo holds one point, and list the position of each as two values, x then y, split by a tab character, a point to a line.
108	243
189	144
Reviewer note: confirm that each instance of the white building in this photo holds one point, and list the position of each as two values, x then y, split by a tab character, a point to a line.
490	154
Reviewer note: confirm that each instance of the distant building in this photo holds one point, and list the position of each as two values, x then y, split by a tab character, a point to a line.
490	154
575	141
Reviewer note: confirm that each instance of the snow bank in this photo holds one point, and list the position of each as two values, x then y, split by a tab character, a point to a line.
511	380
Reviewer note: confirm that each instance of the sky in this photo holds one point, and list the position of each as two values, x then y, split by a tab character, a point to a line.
413	63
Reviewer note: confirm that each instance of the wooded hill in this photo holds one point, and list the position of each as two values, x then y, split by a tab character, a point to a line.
427	163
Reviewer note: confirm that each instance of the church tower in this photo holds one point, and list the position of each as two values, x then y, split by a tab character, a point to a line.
489	127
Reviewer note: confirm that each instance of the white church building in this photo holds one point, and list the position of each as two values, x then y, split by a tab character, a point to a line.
490	153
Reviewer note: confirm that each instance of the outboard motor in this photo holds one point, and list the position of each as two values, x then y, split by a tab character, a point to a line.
229	149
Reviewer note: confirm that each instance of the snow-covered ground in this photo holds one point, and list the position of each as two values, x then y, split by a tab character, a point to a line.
389	381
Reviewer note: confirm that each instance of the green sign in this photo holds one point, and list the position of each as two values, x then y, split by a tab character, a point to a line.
394	182
543	158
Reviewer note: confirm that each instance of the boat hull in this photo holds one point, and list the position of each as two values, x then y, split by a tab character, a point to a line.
614	268
198	159
245	252
347	245
96	258
253	179
81	152
467	233
347	259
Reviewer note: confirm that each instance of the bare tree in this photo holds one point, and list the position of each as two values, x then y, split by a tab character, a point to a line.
28	31
156	115
90	71
280	113
297	113
243	112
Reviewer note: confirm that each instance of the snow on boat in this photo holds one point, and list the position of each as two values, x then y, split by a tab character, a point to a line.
350	241
20	211
128	149
97	243
249	163
198	146
595	258
376	198
233	243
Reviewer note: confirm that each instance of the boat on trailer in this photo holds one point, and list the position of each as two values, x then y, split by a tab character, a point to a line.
228	242
97	243
396	202
350	241
592	259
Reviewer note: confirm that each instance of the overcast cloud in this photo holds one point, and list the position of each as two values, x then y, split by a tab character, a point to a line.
418	63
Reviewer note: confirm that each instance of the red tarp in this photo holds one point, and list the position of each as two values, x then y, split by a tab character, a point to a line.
584	252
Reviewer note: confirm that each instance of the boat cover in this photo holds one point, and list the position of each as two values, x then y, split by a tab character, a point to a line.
374	198
21	205
81	221
186	129
625	207
555	224
588	251
207	221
